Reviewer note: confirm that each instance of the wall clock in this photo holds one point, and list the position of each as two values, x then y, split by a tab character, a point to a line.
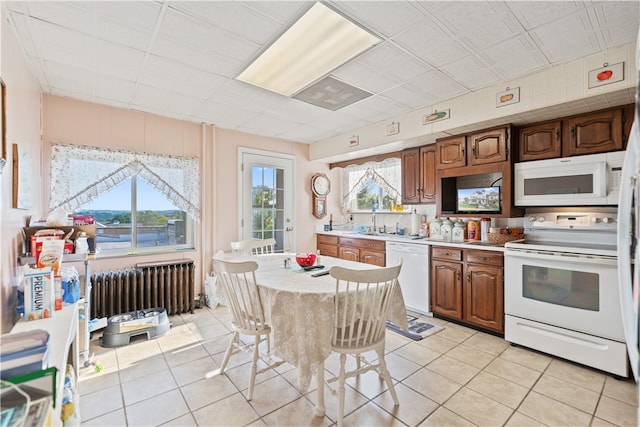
320	186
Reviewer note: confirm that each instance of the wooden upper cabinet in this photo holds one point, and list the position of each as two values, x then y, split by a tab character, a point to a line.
451	152
411	176
593	133
428	174
489	146
540	141
419	175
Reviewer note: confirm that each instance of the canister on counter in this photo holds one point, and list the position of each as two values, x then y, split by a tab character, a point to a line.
457	234
473	229
434	228
446	229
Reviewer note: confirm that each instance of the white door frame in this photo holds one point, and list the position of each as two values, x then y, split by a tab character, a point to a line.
270	159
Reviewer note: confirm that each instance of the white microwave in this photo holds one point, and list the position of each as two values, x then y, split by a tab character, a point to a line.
588	180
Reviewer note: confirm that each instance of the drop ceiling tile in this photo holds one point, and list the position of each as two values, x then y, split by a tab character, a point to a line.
205	37
124	35
63	45
618	21
162	73
234	17
374	109
298	111
363	76
142	15
200	84
374	15
151	99
65	77
532	14
22	25
227	116
515	57
393	62
472	72
431	43
479	23
186	106
114	89
306	133
566	39
246	96
117	61
69	14
339	122
265	124
408	95
437	85
222	65
286	12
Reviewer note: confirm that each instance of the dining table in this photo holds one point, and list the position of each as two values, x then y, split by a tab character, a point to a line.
299	307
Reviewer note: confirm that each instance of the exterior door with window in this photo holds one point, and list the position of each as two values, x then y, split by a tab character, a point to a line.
267	197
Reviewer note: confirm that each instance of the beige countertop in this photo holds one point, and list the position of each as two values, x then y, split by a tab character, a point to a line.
468	244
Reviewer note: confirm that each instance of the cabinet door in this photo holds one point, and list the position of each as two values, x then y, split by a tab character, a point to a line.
489	146
346	252
411	176
446	288
541	141
593	133
483	297
451	152
428	174
372	257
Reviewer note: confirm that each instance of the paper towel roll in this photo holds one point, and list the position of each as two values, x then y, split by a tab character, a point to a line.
415	223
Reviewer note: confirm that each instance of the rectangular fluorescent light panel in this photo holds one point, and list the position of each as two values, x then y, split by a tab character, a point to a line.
320	41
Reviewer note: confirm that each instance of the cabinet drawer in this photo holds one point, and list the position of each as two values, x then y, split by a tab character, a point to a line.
451	254
327	240
484	257
328	250
376	245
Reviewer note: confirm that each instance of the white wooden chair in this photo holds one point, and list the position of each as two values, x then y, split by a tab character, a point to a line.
253	246
247	314
362	301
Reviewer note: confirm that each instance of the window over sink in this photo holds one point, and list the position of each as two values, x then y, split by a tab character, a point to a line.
378	183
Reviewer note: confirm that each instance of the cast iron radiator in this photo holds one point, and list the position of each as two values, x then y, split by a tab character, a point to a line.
168	284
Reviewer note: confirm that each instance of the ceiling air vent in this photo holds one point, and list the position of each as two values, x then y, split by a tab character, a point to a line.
331	94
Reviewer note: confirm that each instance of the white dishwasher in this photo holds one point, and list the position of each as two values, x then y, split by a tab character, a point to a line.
414	274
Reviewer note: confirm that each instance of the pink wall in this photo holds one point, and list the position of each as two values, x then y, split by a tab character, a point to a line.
23	128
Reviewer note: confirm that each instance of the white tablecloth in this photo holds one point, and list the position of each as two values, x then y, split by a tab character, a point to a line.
299	309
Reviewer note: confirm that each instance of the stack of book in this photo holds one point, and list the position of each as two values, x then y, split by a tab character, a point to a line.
23	353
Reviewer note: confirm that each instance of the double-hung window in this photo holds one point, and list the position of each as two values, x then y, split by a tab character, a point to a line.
141	203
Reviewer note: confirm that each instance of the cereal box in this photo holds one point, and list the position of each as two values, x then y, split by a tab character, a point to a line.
39	294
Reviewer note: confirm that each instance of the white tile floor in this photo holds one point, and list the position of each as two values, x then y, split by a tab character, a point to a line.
456	377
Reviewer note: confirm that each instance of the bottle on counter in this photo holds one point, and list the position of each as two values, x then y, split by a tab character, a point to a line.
485	224
446	229
424	227
473	229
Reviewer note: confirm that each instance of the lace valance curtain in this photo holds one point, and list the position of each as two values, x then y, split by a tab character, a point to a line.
80	174
387	174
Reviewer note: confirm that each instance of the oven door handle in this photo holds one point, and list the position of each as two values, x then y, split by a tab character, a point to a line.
556	256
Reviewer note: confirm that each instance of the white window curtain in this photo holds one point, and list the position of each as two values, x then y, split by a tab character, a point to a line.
80	174
387	174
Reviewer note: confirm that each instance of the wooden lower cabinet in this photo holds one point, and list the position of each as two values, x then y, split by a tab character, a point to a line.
467	285
368	251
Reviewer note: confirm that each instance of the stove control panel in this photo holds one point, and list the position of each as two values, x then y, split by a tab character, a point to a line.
571	220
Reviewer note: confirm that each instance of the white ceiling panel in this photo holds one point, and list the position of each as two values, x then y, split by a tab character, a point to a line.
532	14
375	15
471	72
515	57
431	43
568	38
480	24
180	58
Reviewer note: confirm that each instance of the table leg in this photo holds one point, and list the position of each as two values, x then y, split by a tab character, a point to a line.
320	410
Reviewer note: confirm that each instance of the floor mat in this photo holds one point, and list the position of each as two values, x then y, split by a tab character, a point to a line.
418	329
